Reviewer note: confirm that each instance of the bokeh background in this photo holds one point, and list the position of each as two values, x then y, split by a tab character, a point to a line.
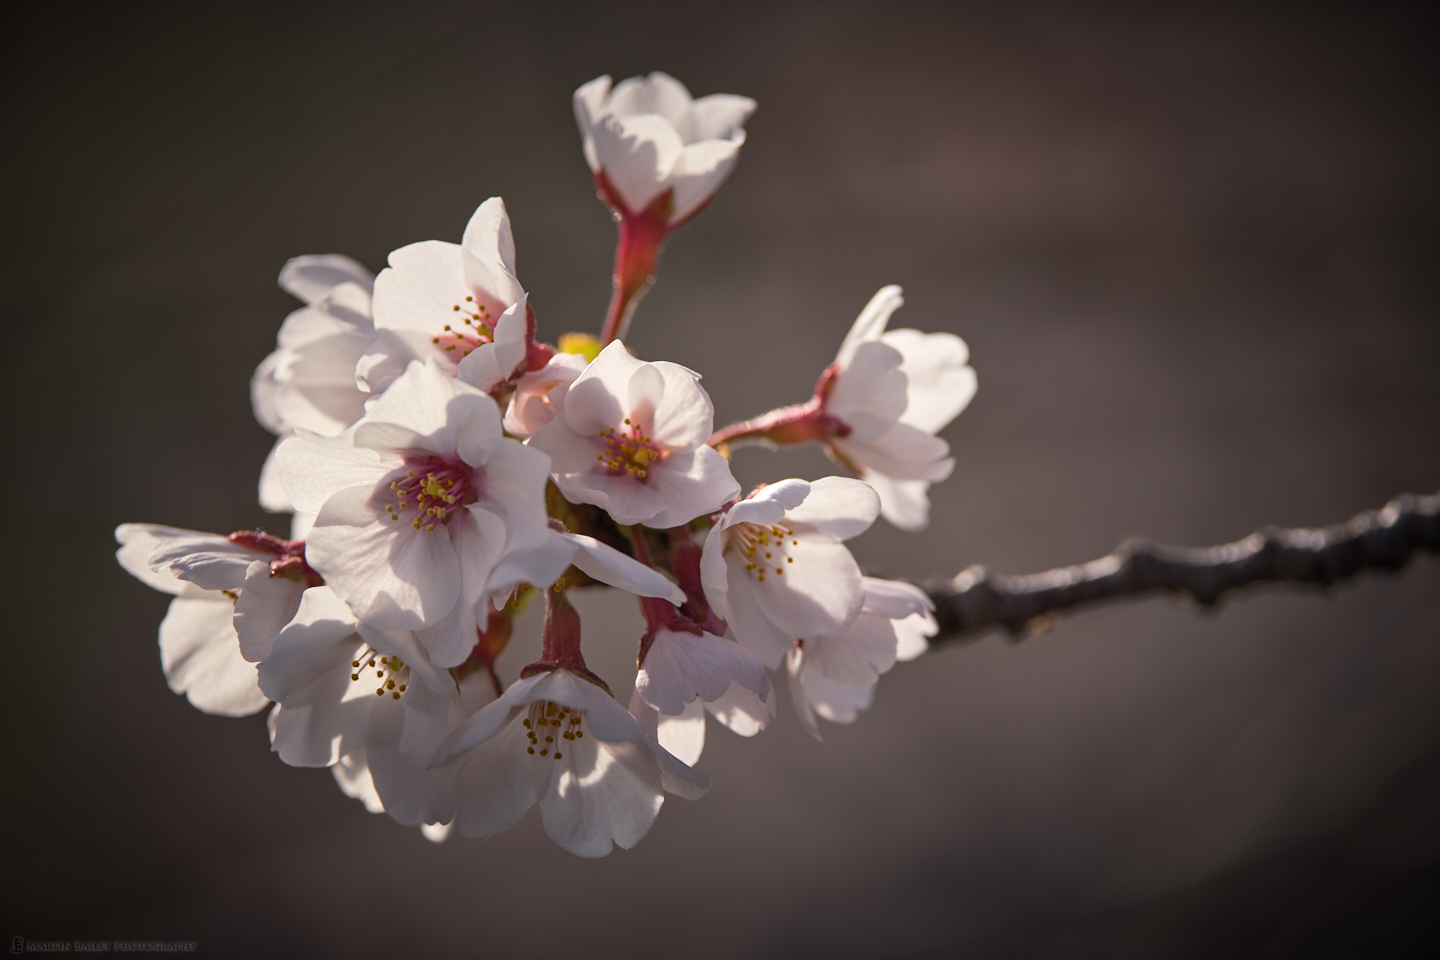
1193	252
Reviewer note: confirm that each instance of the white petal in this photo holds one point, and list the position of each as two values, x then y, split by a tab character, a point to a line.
869	395
392	575
871	322
911	635
266	604
659	93
201	657
819	595
617	799
272	491
491	364
137	542
699	171
903	452
608	565
681	666
309	278
684	416
895	598
858	656
941	384
637	154
902	502
488	236
421	288
591	102
716	117
837	507
312	468
207	560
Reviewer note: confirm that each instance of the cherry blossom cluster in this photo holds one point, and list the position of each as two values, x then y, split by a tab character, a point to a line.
447	471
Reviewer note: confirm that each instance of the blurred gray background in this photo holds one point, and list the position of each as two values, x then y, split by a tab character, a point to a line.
1192	251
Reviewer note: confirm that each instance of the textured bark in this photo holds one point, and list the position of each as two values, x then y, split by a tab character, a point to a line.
1385	539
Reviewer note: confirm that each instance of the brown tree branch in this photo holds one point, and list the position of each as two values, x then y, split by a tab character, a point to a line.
1385	539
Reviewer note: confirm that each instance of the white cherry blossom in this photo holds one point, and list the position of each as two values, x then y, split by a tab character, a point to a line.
460	305
894	391
774	566
560	740
681	662
540	394
418	505
647	136
835	677
230	603
372	699
308	382
631	440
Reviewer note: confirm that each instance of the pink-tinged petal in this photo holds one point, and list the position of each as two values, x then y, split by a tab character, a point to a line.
871	323
393	576
625	498
903	503
201	657
488	720
390	355
748	620
137	542
310	278
328	718
820	593
869	395
684	416
610	566
478	543
837	507
615	800
491	286
637	154
512	483
540	395
266	604
744	712
596	392
488	235
401	781
681	666
432	405
421	288
902	452
941	384
895	598
208	560
659	93
491	364
858	656
692	485
700	170
643	394
912	635
312	468
716	117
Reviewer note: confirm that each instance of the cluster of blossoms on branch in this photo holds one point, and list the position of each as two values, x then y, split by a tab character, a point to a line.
447	470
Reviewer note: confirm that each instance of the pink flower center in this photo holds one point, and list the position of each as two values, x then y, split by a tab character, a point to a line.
549	726
629	451
391	674
477	328
764	547
435	488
